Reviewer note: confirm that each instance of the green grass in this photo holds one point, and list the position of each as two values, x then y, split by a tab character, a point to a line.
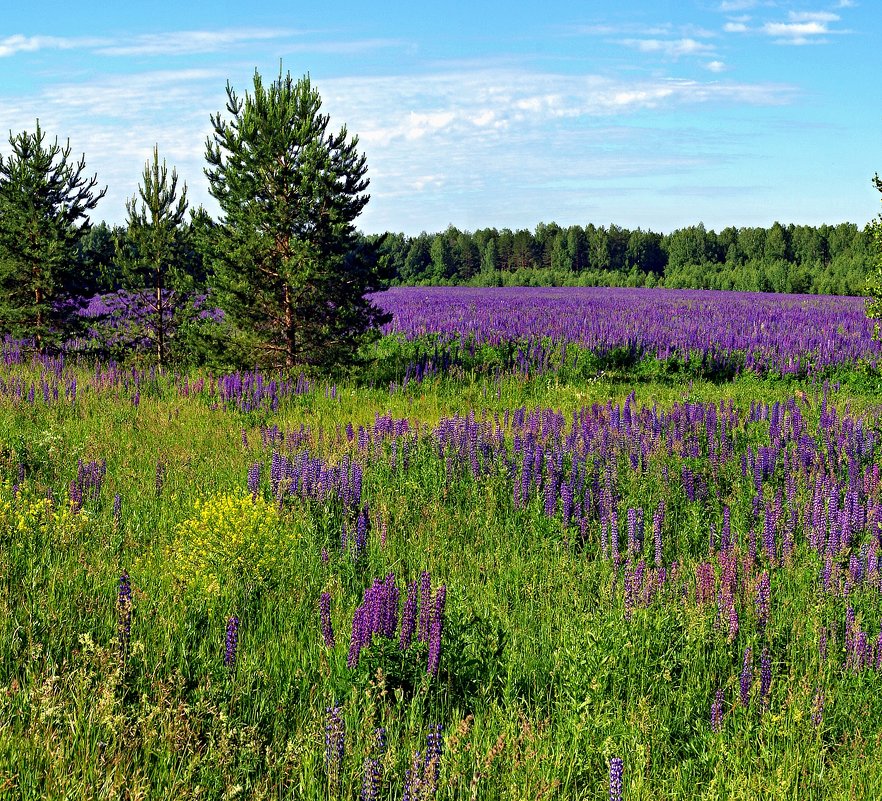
544	674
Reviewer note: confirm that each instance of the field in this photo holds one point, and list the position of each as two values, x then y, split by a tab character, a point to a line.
609	544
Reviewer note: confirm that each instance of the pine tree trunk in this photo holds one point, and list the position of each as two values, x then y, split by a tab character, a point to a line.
160	322
290	333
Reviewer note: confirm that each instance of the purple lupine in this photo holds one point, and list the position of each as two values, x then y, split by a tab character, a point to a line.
765	675
725	533
616	770
124	613
231	643
357	640
425	606
434	743
76	496
716	715
763	596
254	479
632	531
822	645
335	746
657	523
373	768
362	526
746	678
408	616
435	634
325	616
704	582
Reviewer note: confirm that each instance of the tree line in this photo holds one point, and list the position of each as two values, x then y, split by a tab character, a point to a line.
281	278
826	259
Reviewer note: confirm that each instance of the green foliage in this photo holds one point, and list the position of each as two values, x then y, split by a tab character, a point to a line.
151	254
874	281
44	201
288	268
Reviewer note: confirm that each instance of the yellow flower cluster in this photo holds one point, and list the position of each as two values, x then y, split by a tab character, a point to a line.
29	515
231	539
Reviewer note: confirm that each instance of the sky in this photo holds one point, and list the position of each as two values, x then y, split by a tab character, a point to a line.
638	113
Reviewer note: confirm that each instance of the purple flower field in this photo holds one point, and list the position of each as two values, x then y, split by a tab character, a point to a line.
784	333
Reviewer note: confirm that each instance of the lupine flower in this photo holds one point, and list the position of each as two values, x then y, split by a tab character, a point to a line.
335	747
717	712
231	643
408	616
435	634
763	594
434	744
616	770
373	768
657	522
746	679
254	478
425	606
325	616
124	613
704	582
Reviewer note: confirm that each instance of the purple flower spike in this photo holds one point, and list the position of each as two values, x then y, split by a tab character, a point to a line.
408	616
231	643
616	770
717	712
124	613
325	615
435	634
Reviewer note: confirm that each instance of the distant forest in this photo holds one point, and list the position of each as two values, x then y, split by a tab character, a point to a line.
828	259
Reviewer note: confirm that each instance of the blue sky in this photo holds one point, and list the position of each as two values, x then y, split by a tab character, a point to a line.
639	113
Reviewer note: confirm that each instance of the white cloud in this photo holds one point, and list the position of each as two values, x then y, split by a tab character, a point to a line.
18	43
821	17
738	5
175	43
716	66
735	27
671	48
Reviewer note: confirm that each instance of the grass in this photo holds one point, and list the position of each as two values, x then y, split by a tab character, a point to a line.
549	667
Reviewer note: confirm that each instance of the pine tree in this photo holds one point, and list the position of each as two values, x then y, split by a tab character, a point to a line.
151	251
289	269
44	200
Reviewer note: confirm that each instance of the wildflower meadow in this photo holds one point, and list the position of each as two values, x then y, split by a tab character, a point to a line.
605	544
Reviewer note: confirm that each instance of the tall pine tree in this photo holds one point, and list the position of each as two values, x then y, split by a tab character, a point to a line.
289	269
152	250
44	201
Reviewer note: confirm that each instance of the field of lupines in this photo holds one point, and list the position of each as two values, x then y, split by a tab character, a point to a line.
510	583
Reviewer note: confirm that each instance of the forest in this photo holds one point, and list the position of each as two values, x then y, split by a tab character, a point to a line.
825	259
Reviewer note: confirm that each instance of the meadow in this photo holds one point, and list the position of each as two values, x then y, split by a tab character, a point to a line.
548	544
